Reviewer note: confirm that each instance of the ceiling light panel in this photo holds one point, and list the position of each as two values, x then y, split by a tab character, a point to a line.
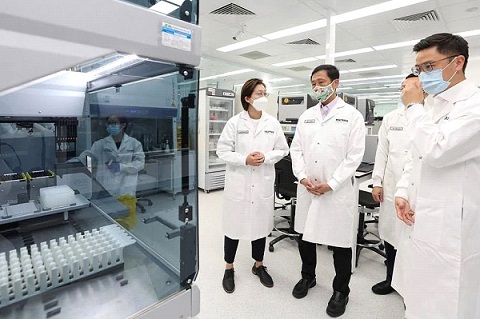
380	67
287	86
396	45
226	74
278	80
352	52
242	44
469	33
372	10
298	29
299	61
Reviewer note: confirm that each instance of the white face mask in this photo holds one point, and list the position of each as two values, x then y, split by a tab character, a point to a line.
260	104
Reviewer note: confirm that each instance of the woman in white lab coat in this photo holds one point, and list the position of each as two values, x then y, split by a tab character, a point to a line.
438	195
117	159
392	152
250	144
327	149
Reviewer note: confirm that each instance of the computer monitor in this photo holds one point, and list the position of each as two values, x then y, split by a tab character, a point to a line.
366	107
371	142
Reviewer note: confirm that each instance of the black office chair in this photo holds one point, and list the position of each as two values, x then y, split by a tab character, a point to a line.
285	189
145	185
365	200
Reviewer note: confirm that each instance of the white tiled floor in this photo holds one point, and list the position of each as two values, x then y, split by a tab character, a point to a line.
252	300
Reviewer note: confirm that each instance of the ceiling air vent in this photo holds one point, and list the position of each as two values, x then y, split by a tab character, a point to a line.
415	20
232	9
255	55
305	41
349	60
299	68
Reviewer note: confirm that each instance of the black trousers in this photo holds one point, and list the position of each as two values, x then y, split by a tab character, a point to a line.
342	261
230	249
391	252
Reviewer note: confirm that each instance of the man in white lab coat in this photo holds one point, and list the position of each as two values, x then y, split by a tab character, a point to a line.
250	144
392	152
327	149
438	195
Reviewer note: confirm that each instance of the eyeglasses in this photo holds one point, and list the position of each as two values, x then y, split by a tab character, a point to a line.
112	123
265	94
428	66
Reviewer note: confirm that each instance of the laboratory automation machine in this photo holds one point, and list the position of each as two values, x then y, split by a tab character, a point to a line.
364	105
92	227
290	107
215	109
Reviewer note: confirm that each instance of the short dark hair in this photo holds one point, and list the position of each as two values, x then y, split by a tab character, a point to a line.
332	71
247	90
121	120
446	43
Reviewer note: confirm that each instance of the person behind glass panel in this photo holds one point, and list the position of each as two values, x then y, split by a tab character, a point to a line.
250	144
118	158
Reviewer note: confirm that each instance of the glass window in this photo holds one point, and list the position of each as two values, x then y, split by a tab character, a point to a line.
186	10
101	209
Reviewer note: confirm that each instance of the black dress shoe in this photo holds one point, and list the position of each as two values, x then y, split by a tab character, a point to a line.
301	288
337	304
228	282
382	288
262	273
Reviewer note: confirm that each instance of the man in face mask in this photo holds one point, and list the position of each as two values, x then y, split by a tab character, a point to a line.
437	196
327	148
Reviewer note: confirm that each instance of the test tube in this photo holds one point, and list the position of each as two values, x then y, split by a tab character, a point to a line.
4	294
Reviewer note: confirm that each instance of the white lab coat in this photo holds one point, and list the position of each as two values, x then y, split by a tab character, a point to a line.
392	152
440	258
248	198
328	150
130	156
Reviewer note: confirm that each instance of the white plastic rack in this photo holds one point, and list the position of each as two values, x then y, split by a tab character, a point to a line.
58	263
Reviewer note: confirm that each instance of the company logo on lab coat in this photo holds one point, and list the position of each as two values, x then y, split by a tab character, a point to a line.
396	128
446	118
309	121
342	120
269	132
243	131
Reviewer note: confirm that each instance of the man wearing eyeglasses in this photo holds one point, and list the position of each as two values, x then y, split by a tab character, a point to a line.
438	194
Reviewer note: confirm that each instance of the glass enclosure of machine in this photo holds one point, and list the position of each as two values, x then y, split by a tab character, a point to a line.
98	211
186	10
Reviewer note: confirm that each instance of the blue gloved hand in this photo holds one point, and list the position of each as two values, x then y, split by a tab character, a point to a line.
114	167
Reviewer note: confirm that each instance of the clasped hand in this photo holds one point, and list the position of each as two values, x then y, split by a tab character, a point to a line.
114	167
315	188
255	159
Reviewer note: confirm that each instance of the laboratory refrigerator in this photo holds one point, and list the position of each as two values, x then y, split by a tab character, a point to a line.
215	109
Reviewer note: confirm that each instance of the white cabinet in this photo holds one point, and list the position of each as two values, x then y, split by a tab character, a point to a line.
215	109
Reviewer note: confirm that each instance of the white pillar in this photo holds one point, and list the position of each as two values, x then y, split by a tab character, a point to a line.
330	40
